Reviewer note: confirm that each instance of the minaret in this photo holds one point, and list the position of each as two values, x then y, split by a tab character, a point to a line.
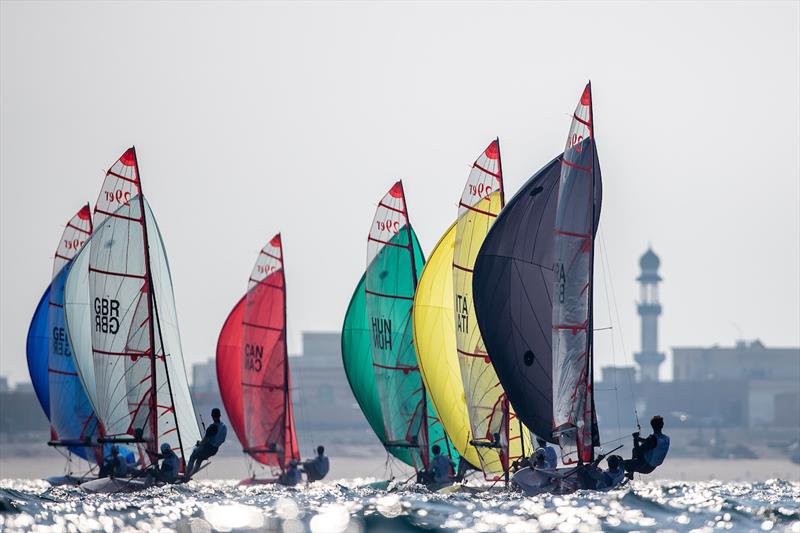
649	358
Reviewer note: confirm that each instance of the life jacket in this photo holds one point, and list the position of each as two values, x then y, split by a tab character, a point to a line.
656	456
614	477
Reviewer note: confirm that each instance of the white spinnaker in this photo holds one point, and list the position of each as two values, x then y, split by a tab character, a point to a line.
78	317
170	336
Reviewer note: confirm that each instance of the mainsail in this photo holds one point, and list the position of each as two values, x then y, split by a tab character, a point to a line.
142	394
512	285
497	433
435	343
72	418
393	266
577	214
266	399
357	362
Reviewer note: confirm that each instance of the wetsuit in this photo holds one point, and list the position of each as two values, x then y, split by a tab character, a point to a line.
317	468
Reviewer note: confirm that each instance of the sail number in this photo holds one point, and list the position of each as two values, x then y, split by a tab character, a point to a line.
382	333
392	226
462	314
253	357
73	244
480	190
561	281
60	344
106	315
119	196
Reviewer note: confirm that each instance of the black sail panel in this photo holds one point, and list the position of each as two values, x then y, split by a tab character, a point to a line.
512	286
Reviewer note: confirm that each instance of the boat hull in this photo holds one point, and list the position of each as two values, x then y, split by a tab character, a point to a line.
108	485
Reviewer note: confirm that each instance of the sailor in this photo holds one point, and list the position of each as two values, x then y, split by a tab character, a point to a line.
590	476
170	465
213	439
291	476
440	467
316	468
550	455
114	465
650	452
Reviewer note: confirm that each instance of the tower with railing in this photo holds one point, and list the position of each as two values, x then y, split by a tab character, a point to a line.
649	307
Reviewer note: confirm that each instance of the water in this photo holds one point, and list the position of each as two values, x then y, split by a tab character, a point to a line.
348	506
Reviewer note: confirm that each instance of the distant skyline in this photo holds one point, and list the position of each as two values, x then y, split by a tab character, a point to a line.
254	118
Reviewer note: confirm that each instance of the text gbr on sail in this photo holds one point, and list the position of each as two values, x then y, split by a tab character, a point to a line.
106	315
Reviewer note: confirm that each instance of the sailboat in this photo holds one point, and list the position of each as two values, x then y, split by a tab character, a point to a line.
499	437
577	209
73	424
120	290
394	262
253	367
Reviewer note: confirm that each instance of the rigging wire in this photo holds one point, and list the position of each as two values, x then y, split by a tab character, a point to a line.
619	323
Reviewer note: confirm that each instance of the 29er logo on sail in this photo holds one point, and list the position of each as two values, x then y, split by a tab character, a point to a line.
106	315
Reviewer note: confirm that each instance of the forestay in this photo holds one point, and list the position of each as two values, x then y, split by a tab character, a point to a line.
498	435
578	210
512	286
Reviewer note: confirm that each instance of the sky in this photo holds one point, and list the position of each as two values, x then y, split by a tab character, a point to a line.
253	118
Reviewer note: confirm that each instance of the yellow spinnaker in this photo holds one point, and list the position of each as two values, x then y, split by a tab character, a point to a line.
498	433
435	341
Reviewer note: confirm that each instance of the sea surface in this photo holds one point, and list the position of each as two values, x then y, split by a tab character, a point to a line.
352	506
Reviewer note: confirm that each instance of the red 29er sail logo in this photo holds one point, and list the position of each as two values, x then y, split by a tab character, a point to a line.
574	141
73	244
392	226
119	196
480	190
266	270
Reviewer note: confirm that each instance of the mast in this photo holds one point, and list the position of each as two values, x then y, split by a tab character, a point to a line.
424	426
153	308
590	350
286	399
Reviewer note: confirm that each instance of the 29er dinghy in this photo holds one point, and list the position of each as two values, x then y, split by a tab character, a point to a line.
394	260
576	212
253	367
73	424
120	289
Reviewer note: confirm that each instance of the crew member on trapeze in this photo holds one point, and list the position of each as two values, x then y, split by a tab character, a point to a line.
316	468
650	452
208	447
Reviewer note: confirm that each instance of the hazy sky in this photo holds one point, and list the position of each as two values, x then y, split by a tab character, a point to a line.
254	118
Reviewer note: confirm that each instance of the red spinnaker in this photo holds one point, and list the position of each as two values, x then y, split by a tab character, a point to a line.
229	368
